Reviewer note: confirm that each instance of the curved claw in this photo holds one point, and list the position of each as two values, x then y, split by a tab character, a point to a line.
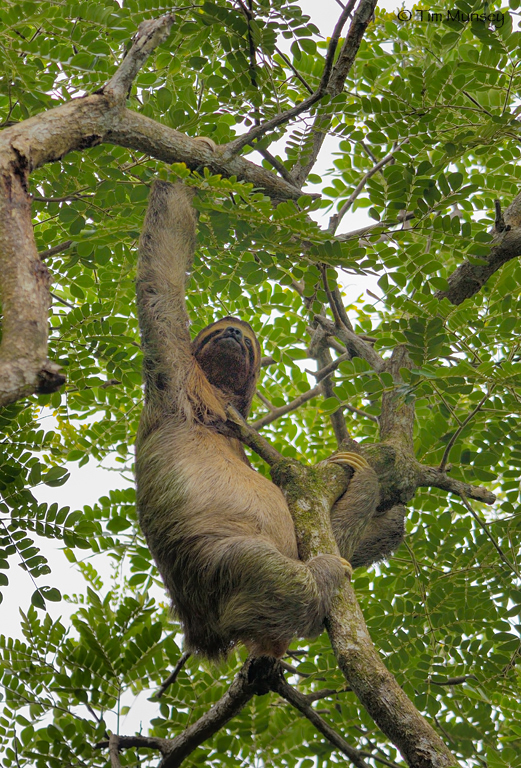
354	460
348	568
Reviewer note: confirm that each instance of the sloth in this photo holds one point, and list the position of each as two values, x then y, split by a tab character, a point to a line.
221	534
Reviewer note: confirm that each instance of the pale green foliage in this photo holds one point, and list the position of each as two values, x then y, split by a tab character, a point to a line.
447	604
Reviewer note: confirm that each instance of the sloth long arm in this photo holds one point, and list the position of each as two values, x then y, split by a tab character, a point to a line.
165	256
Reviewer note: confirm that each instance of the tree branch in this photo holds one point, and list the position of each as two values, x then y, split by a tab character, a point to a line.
114	750
172	677
309	492
252	679
150	34
235	146
350	339
335	220
77	125
247	434
468	279
301	702
335	85
433	477
276	413
494	543
55	249
24	293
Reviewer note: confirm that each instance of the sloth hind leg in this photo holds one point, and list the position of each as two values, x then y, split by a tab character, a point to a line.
271	598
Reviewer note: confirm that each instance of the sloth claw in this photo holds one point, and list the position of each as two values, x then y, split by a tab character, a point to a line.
354	460
348	568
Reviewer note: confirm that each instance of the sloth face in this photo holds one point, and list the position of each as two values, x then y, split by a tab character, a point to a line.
229	354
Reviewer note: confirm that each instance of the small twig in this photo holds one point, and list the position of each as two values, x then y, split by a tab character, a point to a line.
335	220
457	433
170	680
62	301
325	693
499	224
496	546
72	196
381	225
300	702
453	680
276	413
234	147
294	670
55	249
294	70
360	412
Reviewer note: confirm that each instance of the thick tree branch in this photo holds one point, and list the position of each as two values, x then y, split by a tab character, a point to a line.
309	493
468	279
24	294
77	125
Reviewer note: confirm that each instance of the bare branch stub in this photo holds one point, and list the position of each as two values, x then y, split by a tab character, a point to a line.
432	477
150	34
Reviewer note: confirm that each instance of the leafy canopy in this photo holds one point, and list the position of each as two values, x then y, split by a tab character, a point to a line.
441	98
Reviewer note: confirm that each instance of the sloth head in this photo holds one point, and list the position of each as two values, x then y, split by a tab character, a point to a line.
229	354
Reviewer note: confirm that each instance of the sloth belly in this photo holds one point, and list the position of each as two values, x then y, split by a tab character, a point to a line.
192	483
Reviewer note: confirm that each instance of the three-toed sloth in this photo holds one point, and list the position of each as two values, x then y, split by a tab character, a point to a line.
222	534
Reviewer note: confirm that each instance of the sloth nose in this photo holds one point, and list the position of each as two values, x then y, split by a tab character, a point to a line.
235	333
